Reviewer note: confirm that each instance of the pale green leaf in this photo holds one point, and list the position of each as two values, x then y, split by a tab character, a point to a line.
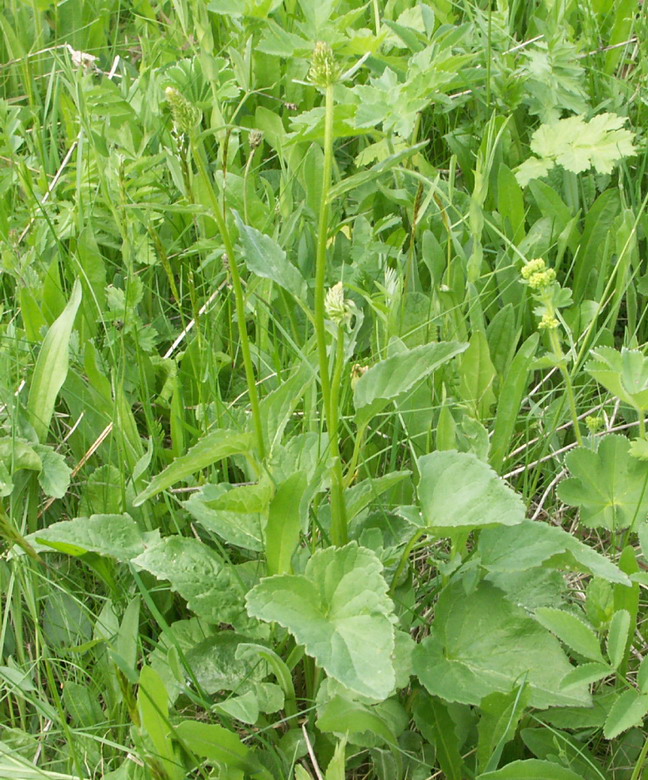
339	610
54	476
458	489
571	630
618	635
216	446
265	258
609	486
531	769
521	547
52	366
116	536
481	643
386	380
628	710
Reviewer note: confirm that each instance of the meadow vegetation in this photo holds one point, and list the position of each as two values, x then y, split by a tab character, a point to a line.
322	389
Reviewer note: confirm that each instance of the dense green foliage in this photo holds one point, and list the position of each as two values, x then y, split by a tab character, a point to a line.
322	389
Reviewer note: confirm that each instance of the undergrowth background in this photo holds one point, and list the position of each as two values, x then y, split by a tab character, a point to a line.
283	286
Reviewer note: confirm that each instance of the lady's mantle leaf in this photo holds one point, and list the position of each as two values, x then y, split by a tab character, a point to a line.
627	711
609	486
578	145
458	489
339	610
481	643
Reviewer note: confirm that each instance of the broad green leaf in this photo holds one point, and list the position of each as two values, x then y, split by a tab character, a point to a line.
284	524
642	675
618	635
218	666
571	630
336	769
364	493
116	536
500	716
339	610
531	769
265	258
630	709
609	486
216	446
530	544
481	643
198	574
457	489
511	393
386	380
51	367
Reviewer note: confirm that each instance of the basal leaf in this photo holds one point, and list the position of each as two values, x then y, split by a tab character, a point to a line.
481	643
339	610
116	536
521	547
198	574
209	450
609	486
531	769
52	366
399	373
458	489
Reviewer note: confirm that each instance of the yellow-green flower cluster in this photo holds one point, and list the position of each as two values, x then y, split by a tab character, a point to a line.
185	115
536	274
324	69
593	423
548	322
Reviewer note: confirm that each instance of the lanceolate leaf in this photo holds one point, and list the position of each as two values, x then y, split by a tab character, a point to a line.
52	366
481	643
214	447
399	373
339	610
458	489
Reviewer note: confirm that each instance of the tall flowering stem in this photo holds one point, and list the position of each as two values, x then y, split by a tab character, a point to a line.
324	73
550	296
185	120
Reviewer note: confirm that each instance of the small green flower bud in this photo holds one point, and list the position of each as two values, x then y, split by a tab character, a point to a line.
533	267
548	322
336	307
542	279
593	423
185	115
324	70
256	138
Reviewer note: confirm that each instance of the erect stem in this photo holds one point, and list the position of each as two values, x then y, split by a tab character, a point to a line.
569	388
339	533
221	222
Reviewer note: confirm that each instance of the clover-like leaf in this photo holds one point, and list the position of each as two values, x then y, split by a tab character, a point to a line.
482	643
624	374
609	486
340	611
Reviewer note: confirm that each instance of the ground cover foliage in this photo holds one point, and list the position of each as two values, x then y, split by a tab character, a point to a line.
322	389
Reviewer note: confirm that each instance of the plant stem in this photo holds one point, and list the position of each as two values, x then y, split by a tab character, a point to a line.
569	388
339	532
221	222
